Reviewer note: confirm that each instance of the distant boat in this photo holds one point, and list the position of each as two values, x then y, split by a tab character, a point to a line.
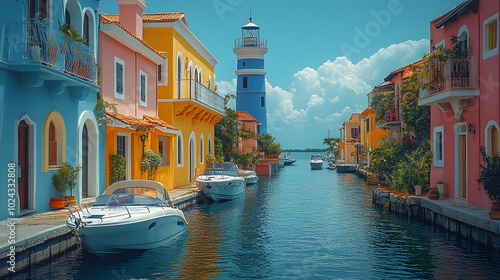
221	181
250	176
288	159
331	165
330	157
316	162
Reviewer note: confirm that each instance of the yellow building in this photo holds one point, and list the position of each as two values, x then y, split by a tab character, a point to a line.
186	97
370	135
349	137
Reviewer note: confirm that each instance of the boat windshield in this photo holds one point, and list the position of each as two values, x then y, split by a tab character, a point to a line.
132	196
316	157
222	168
128	199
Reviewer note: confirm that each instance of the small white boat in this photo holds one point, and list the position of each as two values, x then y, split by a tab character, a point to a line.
250	176
221	181
129	215
289	160
316	162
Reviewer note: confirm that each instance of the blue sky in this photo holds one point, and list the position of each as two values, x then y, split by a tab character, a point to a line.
324	56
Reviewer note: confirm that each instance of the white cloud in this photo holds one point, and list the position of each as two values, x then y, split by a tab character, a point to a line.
315	100
299	116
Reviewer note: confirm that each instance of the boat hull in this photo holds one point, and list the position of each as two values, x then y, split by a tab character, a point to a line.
252	179
290	161
316	165
220	189
130	232
346	168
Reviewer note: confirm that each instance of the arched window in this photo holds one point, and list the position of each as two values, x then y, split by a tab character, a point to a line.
86	28
180	69
67	17
53	141
491	138
52	144
180	150
210	144
209	83
43	8
202	149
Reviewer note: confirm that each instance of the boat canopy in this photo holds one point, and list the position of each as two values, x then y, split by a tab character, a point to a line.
316	157
127	184
222	168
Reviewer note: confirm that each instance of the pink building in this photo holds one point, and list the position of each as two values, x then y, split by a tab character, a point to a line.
464	97
247	121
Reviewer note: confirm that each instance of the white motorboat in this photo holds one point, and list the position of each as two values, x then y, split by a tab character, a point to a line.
250	176
289	160
316	162
129	215
221	181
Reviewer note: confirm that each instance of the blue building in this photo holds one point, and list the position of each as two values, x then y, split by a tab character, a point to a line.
251	74
48	91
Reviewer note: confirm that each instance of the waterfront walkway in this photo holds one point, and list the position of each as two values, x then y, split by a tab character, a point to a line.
35	230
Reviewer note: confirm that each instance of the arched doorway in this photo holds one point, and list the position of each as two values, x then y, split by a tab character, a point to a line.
26	163
85	162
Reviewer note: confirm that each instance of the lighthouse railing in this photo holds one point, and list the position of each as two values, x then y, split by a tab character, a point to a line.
192	89
250	42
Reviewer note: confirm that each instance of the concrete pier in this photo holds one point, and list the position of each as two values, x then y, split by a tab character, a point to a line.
43	236
454	215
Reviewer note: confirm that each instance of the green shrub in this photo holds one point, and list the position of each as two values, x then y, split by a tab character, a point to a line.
117	169
490	175
150	163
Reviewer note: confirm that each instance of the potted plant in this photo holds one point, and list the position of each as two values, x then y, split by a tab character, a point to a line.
150	163
418	190
65	180
434	193
440	185
117	169
490	179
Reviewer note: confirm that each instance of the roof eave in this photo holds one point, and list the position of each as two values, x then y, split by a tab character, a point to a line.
454	14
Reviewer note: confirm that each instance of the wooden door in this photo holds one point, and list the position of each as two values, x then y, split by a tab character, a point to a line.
464	166
23	164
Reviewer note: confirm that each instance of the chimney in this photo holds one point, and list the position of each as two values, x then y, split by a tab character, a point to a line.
131	15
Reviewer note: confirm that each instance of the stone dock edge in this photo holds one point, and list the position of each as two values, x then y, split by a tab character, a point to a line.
455	216
57	240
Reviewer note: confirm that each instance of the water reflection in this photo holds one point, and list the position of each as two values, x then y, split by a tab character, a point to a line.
300	224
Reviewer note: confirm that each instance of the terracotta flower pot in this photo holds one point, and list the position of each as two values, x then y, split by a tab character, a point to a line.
495	207
71	199
433	196
58	202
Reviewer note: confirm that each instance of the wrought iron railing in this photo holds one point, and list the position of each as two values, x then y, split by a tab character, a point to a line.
250	42
451	74
37	42
191	89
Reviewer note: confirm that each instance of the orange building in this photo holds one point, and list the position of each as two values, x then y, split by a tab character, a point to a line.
370	135
349	137
246	120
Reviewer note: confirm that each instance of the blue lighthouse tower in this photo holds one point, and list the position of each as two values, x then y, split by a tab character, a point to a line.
251	75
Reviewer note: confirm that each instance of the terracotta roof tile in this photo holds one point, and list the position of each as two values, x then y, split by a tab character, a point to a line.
162	17
114	19
146	121
158	122
245	117
443	16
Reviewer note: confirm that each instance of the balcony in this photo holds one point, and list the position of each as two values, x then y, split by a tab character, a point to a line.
250	42
36	43
192	90
450	84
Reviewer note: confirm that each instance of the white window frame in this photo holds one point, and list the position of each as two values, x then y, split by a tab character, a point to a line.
128	151
436	161
117	94
487	137
202	149
181	139
164	155
145	102
163	80
489	53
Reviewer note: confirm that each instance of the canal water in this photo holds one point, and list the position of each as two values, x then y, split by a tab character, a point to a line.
299	224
